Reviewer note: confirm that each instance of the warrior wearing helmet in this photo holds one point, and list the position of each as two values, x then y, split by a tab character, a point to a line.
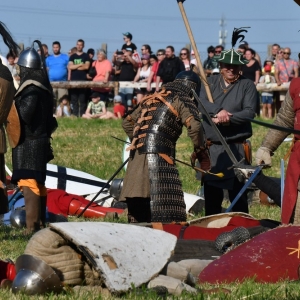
152	189
33	102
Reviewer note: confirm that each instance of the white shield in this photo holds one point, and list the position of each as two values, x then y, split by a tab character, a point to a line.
123	254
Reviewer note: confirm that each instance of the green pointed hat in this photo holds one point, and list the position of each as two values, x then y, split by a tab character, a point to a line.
231	56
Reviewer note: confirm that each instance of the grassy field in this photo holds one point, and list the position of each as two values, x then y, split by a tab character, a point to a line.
87	145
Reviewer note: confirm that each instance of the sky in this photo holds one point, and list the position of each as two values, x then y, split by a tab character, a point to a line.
154	22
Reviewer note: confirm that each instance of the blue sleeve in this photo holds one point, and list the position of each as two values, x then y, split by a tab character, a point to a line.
47	62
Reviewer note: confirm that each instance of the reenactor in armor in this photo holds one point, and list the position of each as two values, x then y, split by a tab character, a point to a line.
33	101
7	91
152	188
287	117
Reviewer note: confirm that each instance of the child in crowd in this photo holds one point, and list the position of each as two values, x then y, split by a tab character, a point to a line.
63	109
96	108
267	97
269	61
119	109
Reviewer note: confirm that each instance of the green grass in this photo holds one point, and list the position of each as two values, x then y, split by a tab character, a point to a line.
87	145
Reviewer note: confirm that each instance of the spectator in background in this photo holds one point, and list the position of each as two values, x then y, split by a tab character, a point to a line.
285	70
269	62
256	56
64	108
275	50
11	65
160	54
146	49
128	72
142	76
57	67
11	60
276	94
90	53
210	63
117	60
251	70
45	48
169	67
103	68
96	108
79	64
279	55
218	50
153	59
267	97
119	110
242	49
127	37
193	58
72	51
185	57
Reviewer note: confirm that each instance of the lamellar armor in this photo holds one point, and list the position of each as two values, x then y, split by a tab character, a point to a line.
155	134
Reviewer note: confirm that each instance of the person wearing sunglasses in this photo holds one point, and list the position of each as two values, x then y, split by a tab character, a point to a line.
169	67
210	63
146	50
234	101
160	54
185	57
285	70
274	51
127	37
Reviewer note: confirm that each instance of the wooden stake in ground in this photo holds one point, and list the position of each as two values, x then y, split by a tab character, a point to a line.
192	40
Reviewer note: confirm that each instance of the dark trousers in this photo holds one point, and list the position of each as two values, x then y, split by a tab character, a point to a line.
214	198
78	102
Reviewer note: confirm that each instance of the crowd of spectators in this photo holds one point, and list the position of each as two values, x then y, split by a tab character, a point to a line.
130	65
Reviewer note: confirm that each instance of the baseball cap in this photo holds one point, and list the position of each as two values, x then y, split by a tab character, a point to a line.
145	56
118	98
270	58
95	95
128	34
267	68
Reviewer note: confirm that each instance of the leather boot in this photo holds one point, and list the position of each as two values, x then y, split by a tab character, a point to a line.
33	210
43	211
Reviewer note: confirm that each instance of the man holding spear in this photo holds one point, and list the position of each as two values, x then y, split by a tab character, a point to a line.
231	100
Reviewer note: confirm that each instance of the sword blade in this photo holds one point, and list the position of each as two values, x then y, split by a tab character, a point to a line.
217	131
272	126
247	184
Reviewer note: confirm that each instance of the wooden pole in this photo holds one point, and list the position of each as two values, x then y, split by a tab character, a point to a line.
192	40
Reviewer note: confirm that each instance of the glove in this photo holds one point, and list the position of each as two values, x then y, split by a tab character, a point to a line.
263	156
203	157
243	174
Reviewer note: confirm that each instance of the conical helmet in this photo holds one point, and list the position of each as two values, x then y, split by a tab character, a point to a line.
35	277
29	58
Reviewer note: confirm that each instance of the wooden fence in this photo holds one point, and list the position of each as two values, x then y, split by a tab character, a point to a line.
115	85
